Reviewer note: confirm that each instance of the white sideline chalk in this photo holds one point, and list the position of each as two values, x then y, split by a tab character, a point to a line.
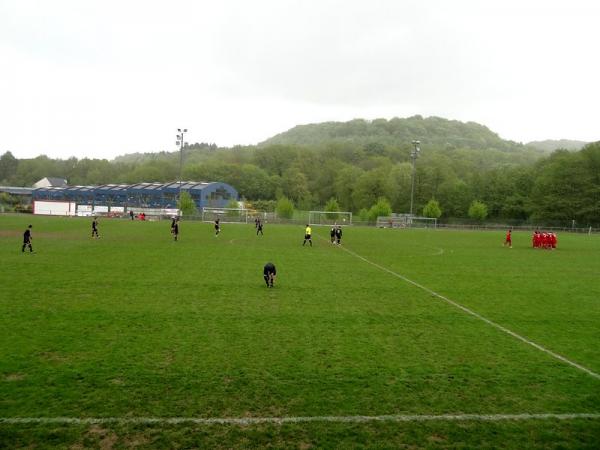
305	419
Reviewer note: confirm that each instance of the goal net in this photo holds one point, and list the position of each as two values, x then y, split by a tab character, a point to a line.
225	215
329	218
406	221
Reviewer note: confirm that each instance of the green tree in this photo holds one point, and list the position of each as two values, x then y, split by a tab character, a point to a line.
568	187
373	185
8	166
284	208
456	197
363	215
400	178
295	185
432	209
380	209
344	186
186	204
478	210
332	206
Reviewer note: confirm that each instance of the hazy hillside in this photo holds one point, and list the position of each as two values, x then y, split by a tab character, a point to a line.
431	131
551	145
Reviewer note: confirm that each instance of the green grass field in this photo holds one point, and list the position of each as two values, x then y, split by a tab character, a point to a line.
134	325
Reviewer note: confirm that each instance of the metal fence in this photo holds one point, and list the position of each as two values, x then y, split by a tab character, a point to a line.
301	218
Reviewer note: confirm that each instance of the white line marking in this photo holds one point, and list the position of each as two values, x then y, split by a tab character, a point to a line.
281	420
439	252
480	317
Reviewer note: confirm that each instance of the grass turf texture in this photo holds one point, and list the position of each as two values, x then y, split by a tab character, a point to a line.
134	324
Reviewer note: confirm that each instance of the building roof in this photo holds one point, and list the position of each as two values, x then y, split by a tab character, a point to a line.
15	190
53	181
136	188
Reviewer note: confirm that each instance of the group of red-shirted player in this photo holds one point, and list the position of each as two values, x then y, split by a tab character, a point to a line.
542	239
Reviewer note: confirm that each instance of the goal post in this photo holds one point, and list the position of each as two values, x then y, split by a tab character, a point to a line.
330	218
225	215
406	221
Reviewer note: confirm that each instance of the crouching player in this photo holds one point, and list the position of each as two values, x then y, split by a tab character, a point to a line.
269	274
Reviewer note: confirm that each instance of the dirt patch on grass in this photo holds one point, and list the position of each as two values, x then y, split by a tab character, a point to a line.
436	438
14	376
137	440
10	233
53	357
108	441
106	438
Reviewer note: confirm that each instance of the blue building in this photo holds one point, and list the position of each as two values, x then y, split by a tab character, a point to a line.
140	195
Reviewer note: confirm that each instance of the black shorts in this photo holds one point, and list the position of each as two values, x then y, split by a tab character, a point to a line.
307	236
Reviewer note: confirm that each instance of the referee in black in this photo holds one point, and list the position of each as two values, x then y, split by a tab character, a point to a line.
95	228
269	273
27	240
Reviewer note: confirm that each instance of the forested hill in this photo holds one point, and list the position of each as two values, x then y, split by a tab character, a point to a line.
561	144
360	162
431	131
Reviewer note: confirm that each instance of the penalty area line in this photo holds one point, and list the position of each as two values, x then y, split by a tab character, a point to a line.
477	315
306	419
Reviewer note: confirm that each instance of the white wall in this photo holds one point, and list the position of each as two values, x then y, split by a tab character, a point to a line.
50	208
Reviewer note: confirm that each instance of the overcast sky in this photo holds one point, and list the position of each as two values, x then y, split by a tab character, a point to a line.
90	78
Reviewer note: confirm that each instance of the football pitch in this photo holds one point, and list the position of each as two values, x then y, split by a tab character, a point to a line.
396	338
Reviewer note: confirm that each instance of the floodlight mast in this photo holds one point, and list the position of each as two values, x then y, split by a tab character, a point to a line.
181	143
414	154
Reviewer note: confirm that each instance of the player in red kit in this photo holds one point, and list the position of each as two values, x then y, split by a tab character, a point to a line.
508	240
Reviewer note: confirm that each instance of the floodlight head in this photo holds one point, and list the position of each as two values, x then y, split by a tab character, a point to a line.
185	130
416	142
179	129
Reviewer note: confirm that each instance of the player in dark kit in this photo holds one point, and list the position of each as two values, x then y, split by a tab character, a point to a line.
259	227
217	227
175	229
332	234
338	235
269	274
173	223
95	228
27	240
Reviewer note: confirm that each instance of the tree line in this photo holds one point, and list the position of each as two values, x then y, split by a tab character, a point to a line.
513	183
